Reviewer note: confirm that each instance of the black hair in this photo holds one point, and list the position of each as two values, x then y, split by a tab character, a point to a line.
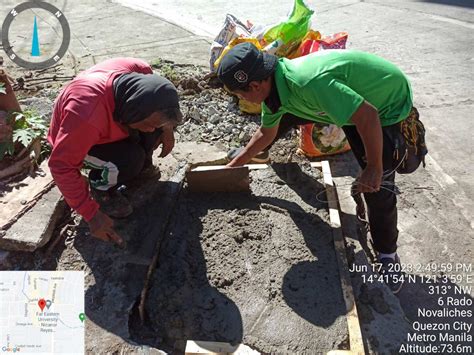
247	87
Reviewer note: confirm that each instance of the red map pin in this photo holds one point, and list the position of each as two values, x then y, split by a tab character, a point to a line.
42	304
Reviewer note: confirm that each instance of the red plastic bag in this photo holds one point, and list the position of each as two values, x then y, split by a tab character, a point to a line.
335	41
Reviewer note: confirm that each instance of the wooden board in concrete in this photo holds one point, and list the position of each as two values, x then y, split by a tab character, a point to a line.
219	180
355	334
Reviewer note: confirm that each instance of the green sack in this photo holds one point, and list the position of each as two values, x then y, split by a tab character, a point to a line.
287	35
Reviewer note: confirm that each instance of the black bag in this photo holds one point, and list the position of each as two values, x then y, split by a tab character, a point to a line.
409	144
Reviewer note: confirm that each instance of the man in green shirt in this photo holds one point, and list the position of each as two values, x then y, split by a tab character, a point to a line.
364	94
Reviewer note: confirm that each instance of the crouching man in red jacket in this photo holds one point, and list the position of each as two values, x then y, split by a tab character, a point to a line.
110	118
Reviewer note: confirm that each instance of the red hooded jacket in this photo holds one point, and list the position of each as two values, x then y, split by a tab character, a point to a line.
82	118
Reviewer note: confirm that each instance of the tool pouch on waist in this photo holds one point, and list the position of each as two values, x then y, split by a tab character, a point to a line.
409	144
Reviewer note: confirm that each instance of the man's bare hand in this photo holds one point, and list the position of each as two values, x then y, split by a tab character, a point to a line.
370	179
260	140
101	227
166	140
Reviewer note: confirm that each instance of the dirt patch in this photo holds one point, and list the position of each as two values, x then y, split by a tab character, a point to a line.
255	268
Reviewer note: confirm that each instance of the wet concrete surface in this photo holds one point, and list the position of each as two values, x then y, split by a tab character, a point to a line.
256	268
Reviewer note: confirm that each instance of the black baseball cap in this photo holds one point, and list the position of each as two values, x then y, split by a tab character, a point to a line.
245	63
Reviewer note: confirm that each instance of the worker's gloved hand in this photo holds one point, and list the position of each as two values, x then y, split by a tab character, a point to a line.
101	227
166	140
370	179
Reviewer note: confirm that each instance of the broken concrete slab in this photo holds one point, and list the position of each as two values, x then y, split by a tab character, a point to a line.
35	228
14	201
199	153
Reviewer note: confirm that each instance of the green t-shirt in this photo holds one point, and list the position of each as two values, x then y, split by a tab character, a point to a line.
329	87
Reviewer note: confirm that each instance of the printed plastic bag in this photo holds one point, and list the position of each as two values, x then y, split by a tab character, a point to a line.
311	37
232	28
232	44
335	41
285	37
318	139
313	44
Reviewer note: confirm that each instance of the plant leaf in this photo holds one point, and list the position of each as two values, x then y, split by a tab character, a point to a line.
23	136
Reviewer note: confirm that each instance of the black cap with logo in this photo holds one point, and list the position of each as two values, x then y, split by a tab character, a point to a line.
245	63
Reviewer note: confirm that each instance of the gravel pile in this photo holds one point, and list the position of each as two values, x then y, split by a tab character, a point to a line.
212	115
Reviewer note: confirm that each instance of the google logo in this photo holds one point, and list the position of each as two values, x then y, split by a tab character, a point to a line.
11	350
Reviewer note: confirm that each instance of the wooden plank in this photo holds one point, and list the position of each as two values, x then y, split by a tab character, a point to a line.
219	167
355	334
213	347
219	180
170	198
316	164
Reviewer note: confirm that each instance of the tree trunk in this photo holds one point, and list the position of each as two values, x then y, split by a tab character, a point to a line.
8	101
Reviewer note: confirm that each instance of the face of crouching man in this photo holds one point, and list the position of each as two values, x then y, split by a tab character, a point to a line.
256	92
248	72
147	102
155	121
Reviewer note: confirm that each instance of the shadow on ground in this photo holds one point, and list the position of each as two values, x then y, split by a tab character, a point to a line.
460	3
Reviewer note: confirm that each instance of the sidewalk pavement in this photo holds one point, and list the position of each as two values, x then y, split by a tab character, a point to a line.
101	30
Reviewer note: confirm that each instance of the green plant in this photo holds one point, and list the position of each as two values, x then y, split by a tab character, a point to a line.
28	127
169	73
156	63
3	89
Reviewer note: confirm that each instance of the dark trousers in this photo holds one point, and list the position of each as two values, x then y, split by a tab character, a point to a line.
381	205
113	164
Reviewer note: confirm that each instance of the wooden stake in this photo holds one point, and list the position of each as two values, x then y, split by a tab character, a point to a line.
355	334
174	195
219	167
